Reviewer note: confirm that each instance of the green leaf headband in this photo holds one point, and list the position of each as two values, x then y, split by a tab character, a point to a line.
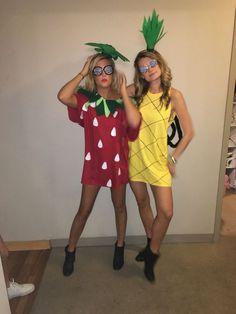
153	30
108	50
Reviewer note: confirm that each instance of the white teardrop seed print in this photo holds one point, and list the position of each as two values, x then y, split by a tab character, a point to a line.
117	158
113	132
81	115
85	108
109	184
88	156
104	166
119	172
93	104
95	122
100	145
115	114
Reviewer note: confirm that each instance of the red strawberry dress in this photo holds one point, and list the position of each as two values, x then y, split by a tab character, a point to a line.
106	139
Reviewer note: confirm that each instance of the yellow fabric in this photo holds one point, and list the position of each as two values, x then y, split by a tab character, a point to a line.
148	154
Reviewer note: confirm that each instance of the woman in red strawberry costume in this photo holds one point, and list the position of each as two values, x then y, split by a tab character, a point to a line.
109	119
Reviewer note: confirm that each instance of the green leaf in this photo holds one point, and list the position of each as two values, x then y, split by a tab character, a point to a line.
106	109
153	30
99	101
108	50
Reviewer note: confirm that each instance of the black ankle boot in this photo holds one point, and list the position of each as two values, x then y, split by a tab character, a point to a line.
68	266
141	254
150	260
118	259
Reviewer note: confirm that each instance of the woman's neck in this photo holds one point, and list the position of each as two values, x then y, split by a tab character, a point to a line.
155	87
107	93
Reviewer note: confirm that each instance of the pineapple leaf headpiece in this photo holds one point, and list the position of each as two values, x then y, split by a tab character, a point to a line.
153	30
108	50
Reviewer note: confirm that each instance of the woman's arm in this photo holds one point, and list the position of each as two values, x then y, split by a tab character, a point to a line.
66	95
132	114
180	108
131	90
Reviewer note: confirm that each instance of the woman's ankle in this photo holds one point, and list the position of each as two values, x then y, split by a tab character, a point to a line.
154	248
120	243
70	248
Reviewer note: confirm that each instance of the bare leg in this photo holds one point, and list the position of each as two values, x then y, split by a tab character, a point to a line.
164	205
118	200
141	194
88	197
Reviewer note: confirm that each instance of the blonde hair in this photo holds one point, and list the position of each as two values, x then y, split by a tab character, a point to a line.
142	86
90	83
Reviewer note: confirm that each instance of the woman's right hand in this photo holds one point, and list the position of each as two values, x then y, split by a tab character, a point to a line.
85	69
66	94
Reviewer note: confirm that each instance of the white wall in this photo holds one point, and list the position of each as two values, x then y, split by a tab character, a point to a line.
41	152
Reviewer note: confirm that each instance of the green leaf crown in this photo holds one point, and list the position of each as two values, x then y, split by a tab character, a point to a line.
108	50
153	30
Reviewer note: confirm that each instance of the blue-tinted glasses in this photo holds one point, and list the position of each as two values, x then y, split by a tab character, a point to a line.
145	68
108	69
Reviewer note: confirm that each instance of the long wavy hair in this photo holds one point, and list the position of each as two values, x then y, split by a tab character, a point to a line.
90	82
142	86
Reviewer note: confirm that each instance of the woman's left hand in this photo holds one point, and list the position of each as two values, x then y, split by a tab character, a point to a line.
122	83
172	167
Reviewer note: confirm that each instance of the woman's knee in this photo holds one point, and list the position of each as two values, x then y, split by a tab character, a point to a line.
82	215
118	199
143	203
167	213
120	206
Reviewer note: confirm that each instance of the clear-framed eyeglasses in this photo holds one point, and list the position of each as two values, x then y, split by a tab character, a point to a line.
97	71
145	68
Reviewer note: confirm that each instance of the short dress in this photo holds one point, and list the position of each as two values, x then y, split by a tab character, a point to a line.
106	134
149	152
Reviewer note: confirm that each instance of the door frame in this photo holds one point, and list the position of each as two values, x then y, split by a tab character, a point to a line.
226	133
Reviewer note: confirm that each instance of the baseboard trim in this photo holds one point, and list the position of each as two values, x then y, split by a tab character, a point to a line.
106	241
28	245
136	240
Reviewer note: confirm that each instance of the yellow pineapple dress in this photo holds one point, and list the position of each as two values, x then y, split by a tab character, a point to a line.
149	152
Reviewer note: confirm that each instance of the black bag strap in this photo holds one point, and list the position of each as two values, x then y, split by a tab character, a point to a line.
175	126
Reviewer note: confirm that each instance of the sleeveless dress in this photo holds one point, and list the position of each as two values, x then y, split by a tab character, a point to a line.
149	152
106	134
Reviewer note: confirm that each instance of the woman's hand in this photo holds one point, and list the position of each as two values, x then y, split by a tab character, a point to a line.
122	83
171	166
66	94
132	114
85	69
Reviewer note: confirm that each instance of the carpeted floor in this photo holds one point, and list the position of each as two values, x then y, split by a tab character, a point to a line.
191	278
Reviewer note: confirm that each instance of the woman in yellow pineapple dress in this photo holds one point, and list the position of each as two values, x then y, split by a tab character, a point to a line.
149	154
149	162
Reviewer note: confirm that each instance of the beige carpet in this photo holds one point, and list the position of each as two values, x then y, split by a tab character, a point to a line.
197	278
228	216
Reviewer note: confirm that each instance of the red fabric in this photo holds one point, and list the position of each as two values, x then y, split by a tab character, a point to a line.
132	133
106	144
74	113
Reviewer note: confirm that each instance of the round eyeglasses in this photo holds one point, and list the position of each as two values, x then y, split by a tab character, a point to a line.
97	71
145	68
